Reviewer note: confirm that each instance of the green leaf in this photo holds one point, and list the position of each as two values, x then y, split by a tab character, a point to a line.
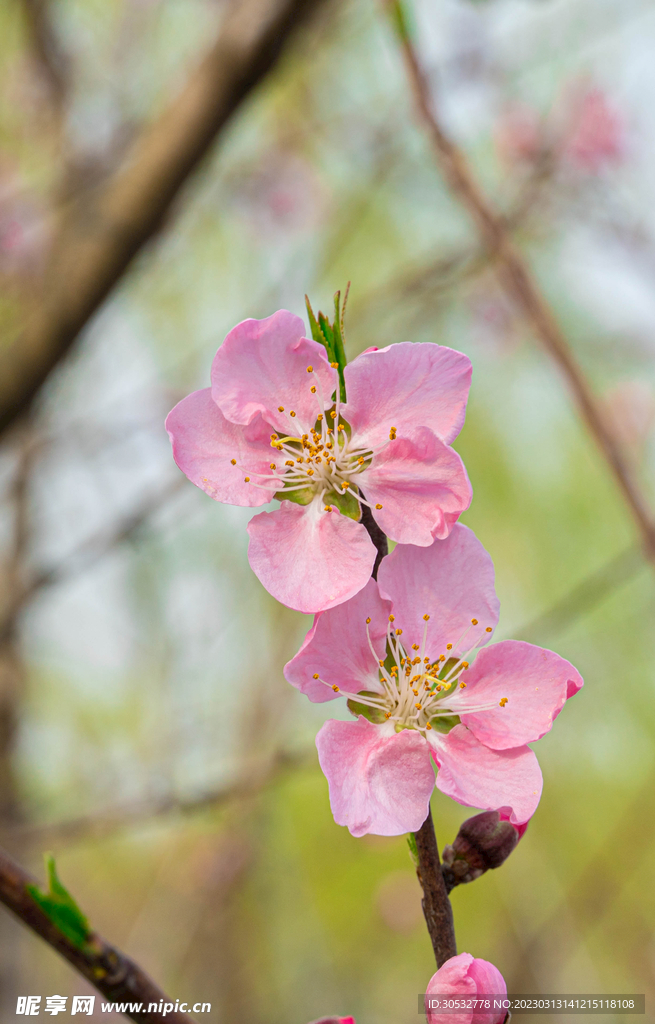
339	349
60	907
331	336
318	333
375	715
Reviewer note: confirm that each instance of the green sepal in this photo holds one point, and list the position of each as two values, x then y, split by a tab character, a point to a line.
338	337
302	497
374	715
346	503
324	339
445	723
60	907
413	848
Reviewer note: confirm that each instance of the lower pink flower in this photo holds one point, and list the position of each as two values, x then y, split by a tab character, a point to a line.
400	652
466	977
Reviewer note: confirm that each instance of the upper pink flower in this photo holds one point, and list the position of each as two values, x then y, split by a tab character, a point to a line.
269	426
467	978
398	651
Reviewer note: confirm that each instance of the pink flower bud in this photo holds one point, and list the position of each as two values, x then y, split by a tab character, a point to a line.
466	978
483	841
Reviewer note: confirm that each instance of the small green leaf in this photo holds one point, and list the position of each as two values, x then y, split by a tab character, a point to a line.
374	715
60	907
302	497
445	724
413	848
340	351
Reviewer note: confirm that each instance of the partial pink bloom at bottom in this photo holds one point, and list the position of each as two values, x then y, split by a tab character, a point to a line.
467	976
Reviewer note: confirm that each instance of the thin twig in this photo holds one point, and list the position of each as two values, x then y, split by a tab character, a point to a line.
110	971
519	283
583	598
86	554
436	904
52	61
103	229
99	824
437	910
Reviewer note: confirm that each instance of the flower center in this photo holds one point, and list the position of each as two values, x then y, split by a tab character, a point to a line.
417	691
321	464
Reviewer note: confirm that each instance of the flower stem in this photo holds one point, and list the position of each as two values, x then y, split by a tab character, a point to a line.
377	536
436	905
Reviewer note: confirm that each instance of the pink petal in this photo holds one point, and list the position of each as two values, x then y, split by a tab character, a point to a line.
262	365
337	647
536	683
407	386
309	559
452	581
380	780
465	976
422	486
508	781
204	443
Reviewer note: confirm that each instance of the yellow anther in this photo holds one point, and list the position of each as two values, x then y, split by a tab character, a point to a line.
442	657
313	389
398	632
315	675
333	413
502	702
310	369
418	706
361	460
415	692
449	647
378	506
345	485
320	417
416	661
427	725
462	686
465	664
336	689
292	413
310	472
233	461
273	437
474	622
415	647
488	629
387	714
289	462
340	427
335	366
273	466
426	617
246	479
280	408
392	618
328	508
381	664
368	620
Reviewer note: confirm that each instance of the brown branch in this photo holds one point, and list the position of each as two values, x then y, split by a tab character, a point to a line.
100	824
52	61
103	230
437	910
85	555
117	977
520	285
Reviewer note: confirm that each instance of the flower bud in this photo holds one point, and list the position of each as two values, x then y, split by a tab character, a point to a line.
334	1020
483	842
466	977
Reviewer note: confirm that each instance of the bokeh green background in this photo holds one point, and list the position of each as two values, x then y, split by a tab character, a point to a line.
155	671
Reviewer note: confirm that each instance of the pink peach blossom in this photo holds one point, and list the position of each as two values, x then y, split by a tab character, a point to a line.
269	427
467	978
398	652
